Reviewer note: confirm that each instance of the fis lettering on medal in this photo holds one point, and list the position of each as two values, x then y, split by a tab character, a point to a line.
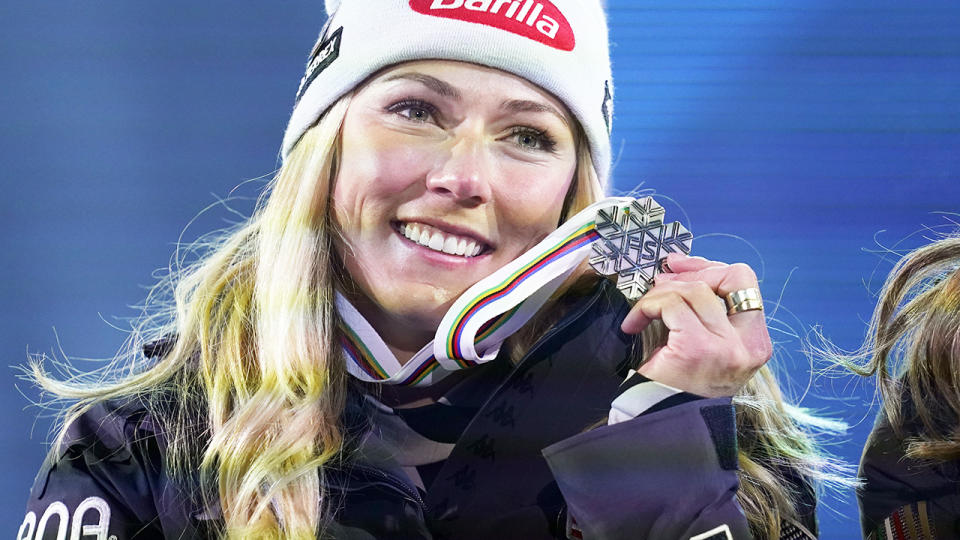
538	20
634	242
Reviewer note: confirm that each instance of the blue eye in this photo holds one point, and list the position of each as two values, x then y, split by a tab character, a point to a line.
415	113
414	110
533	139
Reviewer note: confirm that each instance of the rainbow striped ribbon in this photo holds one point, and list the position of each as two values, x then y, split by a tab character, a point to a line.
480	320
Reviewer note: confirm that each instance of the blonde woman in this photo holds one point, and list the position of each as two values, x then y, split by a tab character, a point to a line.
298	392
910	463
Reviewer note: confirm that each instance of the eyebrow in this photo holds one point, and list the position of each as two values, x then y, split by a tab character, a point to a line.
447	90
525	105
433	83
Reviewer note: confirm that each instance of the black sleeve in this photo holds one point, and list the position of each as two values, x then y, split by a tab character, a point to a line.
665	474
98	484
804	527
899	491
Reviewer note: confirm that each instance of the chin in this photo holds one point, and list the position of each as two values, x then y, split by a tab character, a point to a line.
422	306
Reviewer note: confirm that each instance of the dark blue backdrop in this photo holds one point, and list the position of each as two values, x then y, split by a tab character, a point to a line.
802	131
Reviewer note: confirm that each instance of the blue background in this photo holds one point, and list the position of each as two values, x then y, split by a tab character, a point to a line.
796	136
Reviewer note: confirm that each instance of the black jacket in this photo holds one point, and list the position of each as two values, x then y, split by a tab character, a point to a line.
524	462
910	493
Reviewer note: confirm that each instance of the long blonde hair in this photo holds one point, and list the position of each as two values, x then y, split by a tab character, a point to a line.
913	349
251	390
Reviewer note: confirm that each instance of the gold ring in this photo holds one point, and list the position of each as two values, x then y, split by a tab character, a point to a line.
743	300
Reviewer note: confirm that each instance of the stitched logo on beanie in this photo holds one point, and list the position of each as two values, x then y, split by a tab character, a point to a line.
538	20
606	108
323	54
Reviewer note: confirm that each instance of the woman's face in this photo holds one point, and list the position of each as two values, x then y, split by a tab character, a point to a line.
448	171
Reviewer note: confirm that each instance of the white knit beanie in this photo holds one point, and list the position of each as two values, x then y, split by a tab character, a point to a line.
559	45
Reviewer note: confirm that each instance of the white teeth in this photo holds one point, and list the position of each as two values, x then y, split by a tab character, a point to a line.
434	239
436	242
450	245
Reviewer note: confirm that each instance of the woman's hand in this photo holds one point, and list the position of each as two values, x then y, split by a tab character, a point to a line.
707	353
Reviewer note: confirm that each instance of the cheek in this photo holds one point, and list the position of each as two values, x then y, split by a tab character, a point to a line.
378	171
386	155
381	150
536	203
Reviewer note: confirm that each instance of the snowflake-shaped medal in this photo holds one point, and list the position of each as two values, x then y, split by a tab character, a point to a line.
634	242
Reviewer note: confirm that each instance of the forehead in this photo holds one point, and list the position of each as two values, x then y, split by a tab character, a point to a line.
466	78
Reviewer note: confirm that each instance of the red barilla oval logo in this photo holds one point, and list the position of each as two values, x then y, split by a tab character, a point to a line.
538	20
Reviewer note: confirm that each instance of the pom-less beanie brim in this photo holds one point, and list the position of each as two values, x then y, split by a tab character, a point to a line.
559	45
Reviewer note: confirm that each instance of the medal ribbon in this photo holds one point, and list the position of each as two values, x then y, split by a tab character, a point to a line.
478	322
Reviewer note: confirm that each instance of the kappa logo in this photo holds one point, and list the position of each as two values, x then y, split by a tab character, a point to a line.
96	526
538	20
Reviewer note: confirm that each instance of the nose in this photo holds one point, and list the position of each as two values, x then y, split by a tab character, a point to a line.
463	172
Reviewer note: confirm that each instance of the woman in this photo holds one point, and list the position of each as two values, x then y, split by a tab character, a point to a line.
910	463
432	143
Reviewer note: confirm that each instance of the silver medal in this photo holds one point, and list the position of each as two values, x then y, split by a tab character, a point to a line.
634	242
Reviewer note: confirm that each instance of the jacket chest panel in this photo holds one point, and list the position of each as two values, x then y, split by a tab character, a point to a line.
496	477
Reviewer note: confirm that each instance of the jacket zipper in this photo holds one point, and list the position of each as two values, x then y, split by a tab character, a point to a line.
412	494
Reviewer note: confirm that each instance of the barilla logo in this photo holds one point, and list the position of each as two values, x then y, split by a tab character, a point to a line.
538	20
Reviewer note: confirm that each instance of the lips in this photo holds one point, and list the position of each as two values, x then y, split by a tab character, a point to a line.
442	241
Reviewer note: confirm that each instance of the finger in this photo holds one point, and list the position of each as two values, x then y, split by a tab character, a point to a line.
640	315
750	325
702	300
679	262
723	279
637	318
674	311
668	306
752	329
635	321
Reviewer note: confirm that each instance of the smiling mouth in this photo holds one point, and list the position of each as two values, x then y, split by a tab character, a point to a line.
440	241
